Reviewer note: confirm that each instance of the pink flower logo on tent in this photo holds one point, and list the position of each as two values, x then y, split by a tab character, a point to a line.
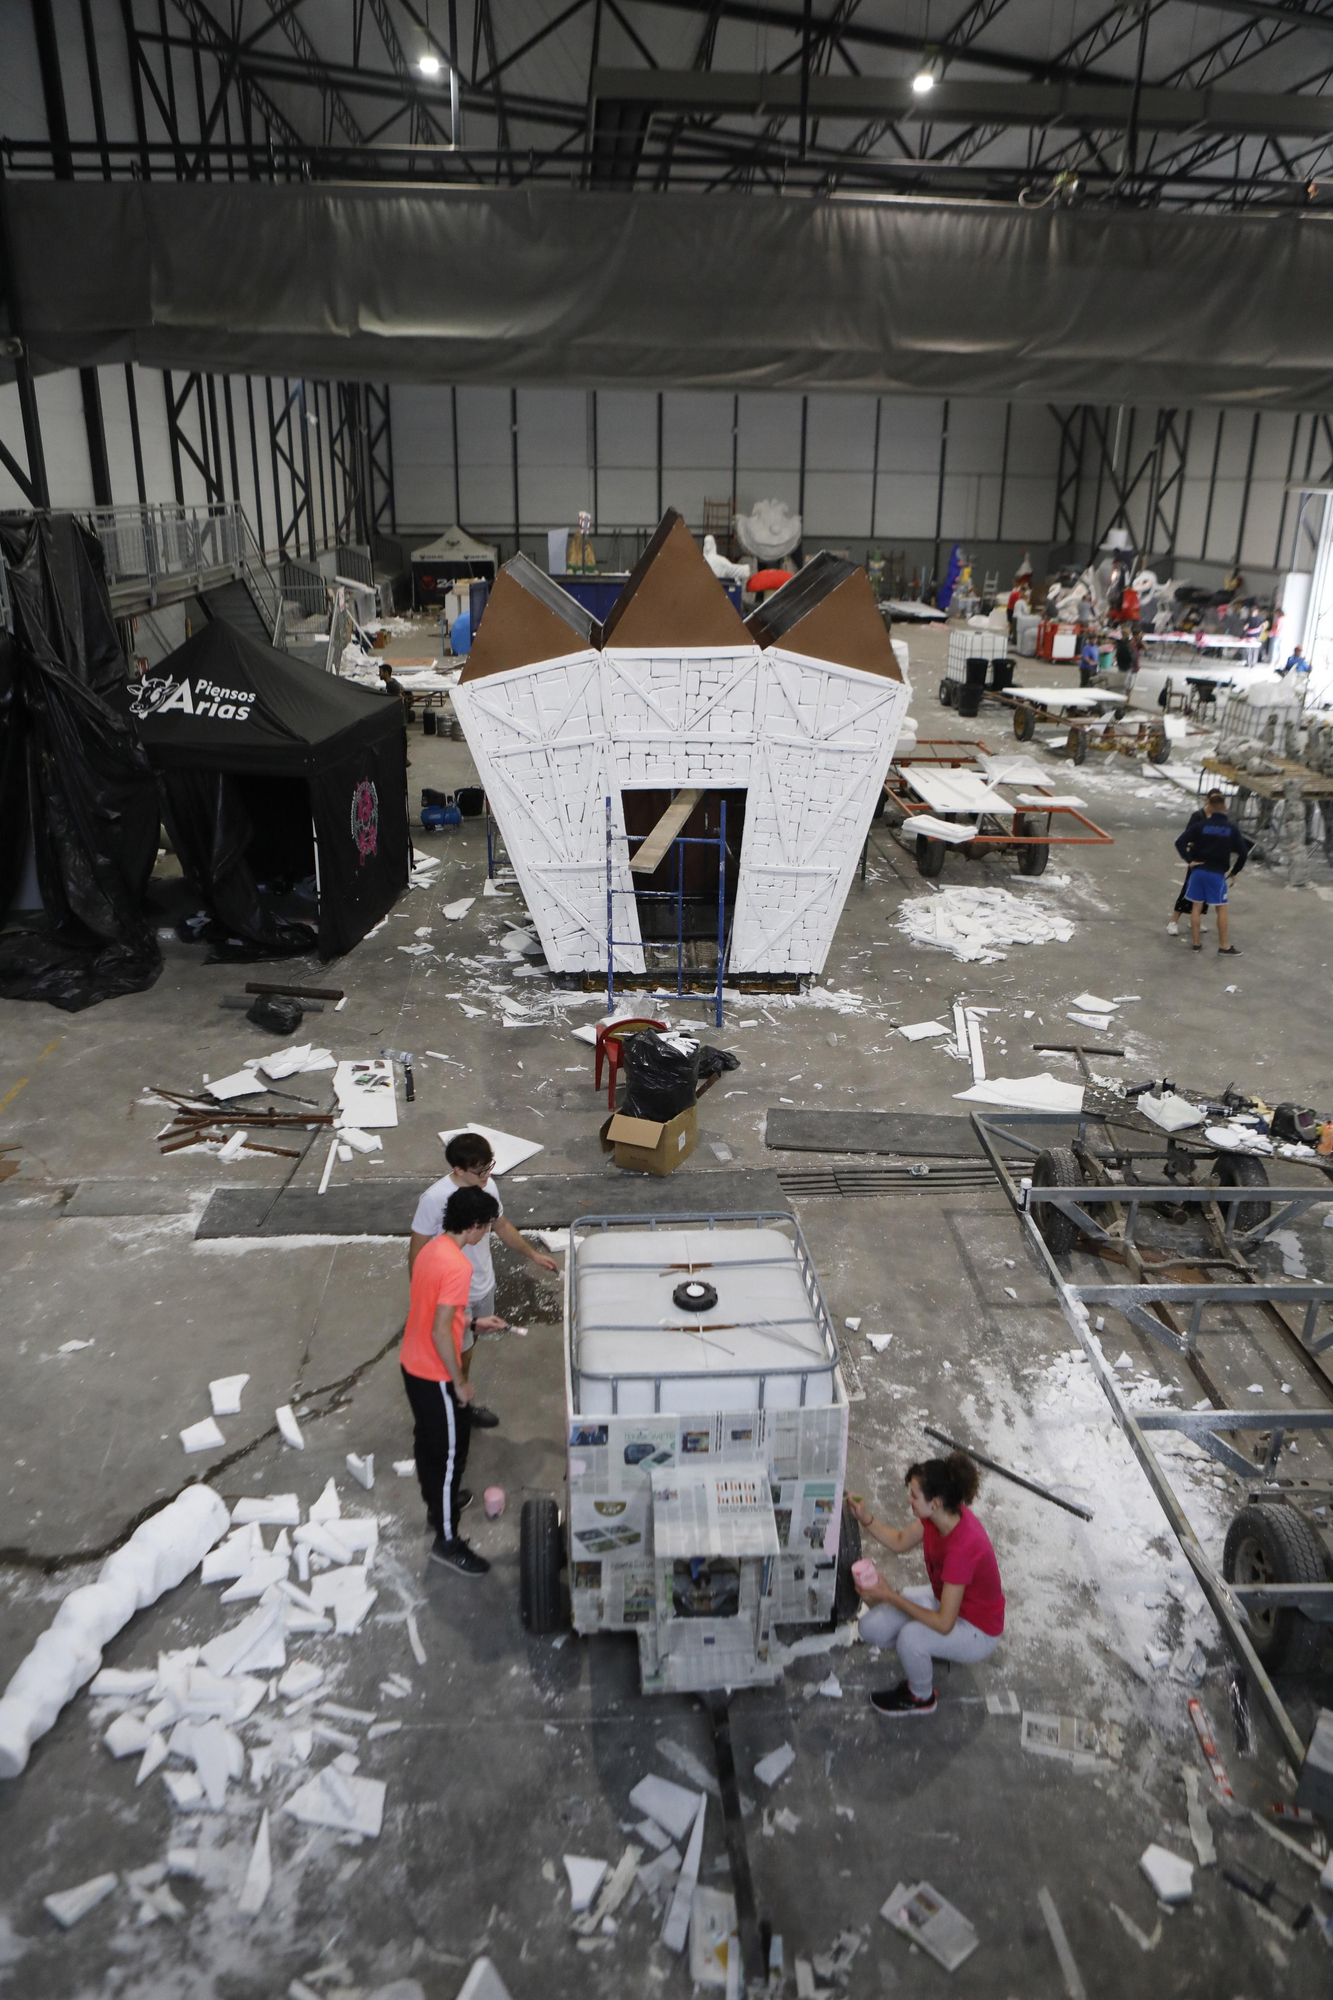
366	820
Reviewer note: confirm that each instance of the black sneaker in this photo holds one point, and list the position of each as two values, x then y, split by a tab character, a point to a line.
457	1555
484	1419
900	1701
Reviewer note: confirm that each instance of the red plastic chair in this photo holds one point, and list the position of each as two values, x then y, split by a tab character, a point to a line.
609	1037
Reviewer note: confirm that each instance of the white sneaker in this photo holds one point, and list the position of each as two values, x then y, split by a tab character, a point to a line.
1173	928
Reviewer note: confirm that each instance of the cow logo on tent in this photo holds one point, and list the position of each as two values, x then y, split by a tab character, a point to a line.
149	694
366	819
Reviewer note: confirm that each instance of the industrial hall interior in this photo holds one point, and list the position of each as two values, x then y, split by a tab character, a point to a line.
590	590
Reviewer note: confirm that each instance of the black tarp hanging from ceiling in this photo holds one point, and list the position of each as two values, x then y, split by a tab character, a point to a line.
252	747
537	285
70	767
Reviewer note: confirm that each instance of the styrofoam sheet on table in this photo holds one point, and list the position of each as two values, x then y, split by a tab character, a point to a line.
954	791
762	1324
1058	697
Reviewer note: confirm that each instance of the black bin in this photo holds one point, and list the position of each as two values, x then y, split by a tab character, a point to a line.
969	698
470	799
1001	675
977	670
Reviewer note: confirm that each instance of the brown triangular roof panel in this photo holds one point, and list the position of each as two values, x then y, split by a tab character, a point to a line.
828	611
528	618
672	598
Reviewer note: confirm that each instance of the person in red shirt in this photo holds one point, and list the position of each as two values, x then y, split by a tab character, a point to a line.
435	1370
960	1614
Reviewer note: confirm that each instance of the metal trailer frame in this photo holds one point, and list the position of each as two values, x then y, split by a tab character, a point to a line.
1019	842
1226	1600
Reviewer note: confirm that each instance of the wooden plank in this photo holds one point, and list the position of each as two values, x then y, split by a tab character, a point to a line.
653	851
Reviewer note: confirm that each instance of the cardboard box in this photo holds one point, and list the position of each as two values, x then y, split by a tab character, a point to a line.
641	1146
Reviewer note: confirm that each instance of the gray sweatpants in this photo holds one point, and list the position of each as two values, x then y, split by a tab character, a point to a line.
918	1646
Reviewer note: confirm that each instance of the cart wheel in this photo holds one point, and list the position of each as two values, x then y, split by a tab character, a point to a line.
846	1597
1119	714
946	694
1235	1170
1032	860
929	855
1076	746
539	1556
1025	724
1056	1168
1275	1544
1159	749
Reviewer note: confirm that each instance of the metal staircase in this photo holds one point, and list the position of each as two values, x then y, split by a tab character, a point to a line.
164	553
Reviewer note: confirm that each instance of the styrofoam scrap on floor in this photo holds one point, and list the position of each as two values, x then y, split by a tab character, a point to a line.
185	1861
263	1573
490	888
652	1835
414	1640
255	1643
258	1875
203	1436
362	1469
225	1394
613	1892
831	1688
350	1805
378	1729
1042	1092
1069	1971
68	1905
300	1677
917	1031
154	1757
328	1507
1099	1022
1093	1004
349	1612
271	1510
128	1736
187	1794
879	1341
123	1680
976	924
657	1873
670	1805
1201	1833
404	1467
362	1142
777	1763
1004	1703
324	1732
1170	1877
585	1879
786	1819
675	1928
233	1148
482	1983
288	1426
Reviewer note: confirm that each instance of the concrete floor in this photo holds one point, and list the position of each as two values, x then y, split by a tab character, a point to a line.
517	1750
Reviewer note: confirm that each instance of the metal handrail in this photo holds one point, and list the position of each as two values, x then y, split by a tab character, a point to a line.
354	563
164	541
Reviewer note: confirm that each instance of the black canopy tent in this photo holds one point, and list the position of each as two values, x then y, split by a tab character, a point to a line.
269	767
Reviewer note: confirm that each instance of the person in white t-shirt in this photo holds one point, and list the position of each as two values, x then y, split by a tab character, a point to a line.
471	1163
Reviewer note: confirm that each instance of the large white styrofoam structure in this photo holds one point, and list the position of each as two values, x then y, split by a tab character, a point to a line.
810	741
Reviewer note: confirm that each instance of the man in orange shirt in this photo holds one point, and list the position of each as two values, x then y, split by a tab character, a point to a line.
435	1371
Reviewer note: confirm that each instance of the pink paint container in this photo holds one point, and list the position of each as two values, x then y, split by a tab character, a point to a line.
493	1500
864	1574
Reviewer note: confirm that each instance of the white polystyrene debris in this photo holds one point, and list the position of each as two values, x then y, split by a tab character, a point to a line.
1042	1092
68	1905
672	1806
917	1031
159	1555
328	1506
300	1677
203	1436
769	1769
1091	1004
585	1879
976	924
226	1394
258	1875
272	1510
127	1736
362	1469
349	1804
291	1430
459	909
1172	1879
1171	1111
482	1983
363	1142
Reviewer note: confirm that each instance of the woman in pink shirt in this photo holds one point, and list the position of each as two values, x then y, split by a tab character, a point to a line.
960	1614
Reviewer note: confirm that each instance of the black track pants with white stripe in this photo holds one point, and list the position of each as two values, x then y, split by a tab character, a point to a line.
442	1429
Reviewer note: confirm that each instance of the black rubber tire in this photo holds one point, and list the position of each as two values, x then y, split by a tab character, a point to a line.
1274	1544
1032	860
1119	714
1025	724
1237	1170
1159	749
1057	1168
1076	748
946	694
930	855
846	1598
539	1560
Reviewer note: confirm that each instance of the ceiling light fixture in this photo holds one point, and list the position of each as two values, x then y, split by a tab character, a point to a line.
923	81
429	65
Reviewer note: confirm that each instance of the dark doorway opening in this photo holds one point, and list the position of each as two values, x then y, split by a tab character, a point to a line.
680	899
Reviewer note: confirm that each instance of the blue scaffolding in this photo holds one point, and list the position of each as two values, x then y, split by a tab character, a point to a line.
676	895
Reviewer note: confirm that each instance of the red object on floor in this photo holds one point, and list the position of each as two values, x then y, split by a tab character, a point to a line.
769	579
610	1034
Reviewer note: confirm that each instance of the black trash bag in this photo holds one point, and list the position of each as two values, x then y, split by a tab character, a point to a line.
276	1013
661	1075
71	767
716	1062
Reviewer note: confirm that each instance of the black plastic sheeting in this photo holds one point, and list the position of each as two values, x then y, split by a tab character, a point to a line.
70	761
538	285
271	768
